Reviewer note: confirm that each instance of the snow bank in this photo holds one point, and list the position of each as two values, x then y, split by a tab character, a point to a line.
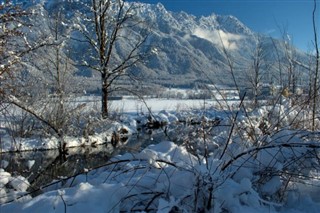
17	186
162	177
227	162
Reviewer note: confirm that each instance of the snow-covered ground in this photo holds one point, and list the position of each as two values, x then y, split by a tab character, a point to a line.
134	105
131	108
226	162
161	178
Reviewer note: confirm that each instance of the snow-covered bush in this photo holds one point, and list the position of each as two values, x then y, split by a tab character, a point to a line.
12	186
166	177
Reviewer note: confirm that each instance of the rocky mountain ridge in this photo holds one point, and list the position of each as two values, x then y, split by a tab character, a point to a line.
186	49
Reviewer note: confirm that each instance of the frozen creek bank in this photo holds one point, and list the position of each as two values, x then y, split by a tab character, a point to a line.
226	162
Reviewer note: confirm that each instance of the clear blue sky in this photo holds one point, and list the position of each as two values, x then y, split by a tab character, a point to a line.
264	16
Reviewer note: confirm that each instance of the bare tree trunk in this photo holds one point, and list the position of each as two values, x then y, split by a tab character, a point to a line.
315	84
104	96
108	20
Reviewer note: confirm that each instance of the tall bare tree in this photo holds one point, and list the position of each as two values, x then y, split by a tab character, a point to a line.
258	69
51	69
290	58
16	41
12	42
44	70
316	72
53	66
115	36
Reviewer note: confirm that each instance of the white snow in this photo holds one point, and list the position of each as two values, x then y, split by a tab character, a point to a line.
168	177
165	170
19	183
30	164
4	178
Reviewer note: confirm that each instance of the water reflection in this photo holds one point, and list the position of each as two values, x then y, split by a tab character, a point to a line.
43	167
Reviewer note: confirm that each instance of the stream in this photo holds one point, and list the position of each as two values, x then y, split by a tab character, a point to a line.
44	167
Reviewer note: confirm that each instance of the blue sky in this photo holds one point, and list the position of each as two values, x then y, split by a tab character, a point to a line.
264	16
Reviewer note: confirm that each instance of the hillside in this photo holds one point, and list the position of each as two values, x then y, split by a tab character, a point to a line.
184	50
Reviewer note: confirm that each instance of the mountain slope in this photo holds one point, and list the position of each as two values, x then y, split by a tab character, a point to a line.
186	49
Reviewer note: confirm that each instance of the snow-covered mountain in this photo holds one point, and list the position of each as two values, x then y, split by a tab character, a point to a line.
187	49
191	48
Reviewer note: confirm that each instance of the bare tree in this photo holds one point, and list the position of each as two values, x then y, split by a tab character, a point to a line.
40	84
279	65
257	69
290	57
55	68
316	72
16	41
52	69
110	25
12	42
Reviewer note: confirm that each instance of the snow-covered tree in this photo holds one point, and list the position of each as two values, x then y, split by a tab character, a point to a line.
49	76
44	73
315	94
257	70
13	44
290	58
53	66
104	25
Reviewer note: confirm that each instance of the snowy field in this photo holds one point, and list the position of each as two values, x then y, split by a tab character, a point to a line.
227	162
134	105
129	107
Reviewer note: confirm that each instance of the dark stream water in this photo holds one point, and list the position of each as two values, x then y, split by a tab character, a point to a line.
43	167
